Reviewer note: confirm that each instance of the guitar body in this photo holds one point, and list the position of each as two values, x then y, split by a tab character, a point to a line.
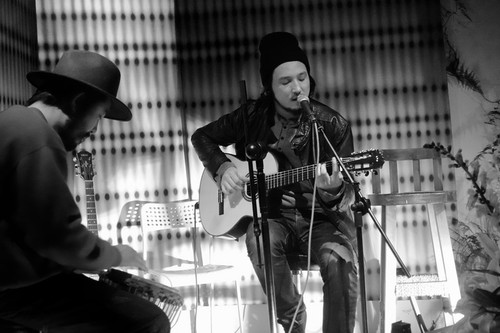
229	215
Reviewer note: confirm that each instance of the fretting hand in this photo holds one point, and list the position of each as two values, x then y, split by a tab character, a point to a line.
329	182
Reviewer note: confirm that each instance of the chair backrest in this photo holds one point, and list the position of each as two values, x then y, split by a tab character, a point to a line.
412	162
169	215
156	216
130	216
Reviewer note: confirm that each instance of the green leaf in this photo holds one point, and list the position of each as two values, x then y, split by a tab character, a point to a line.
489	245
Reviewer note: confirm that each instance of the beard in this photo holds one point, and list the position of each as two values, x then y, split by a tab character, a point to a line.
292	110
70	135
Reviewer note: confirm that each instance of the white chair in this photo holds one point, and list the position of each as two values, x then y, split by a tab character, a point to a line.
445	283
184	214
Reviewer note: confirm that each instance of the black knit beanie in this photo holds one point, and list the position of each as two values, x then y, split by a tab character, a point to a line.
277	48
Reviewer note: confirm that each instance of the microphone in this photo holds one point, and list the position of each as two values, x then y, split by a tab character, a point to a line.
306	107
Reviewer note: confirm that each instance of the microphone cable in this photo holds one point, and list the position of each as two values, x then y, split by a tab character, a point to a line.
316	149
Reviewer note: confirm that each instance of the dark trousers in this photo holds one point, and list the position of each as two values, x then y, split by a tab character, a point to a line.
338	270
75	303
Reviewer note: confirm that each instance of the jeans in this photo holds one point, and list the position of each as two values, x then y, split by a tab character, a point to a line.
338	267
71	303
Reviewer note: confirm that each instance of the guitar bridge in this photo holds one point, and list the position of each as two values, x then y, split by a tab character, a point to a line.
220	199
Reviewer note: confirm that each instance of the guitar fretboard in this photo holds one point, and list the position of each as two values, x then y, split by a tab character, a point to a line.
357	163
287	177
292	176
90	204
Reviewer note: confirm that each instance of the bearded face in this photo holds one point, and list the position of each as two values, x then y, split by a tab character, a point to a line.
84	116
290	79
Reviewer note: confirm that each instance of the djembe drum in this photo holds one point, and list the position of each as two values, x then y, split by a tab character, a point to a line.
166	298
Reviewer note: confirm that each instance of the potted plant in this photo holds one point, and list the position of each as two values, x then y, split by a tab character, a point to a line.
476	240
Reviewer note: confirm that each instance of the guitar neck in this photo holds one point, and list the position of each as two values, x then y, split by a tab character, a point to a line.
287	177
90	204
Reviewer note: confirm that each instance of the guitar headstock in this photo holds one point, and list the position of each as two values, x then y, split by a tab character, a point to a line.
83	164
364	161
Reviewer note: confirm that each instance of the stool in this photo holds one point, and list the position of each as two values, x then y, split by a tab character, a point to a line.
298	263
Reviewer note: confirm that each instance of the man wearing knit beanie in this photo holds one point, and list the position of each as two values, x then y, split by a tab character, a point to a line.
277	122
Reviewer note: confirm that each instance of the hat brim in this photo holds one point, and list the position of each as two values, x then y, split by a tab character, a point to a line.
46	80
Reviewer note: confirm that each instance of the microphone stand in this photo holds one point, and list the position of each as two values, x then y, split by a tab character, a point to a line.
361	206
256	152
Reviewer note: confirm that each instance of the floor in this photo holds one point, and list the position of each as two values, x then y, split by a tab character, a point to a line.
256	319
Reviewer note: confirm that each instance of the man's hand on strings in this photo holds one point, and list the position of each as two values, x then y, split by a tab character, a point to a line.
232	181
329	182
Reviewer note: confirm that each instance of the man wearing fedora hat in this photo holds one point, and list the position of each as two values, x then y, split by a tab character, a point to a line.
43	245
277	122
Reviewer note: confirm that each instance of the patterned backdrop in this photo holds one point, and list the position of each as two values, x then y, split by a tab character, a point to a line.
380	63
18	50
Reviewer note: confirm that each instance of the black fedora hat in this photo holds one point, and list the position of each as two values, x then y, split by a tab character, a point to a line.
86	70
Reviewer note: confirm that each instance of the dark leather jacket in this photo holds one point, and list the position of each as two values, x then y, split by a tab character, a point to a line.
229	129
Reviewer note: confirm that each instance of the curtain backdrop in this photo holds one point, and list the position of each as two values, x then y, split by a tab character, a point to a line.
18	50
379	63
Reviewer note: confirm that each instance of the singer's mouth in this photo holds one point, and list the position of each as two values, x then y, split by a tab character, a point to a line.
302	97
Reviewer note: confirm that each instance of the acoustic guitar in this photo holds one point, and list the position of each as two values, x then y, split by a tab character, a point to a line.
229	215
